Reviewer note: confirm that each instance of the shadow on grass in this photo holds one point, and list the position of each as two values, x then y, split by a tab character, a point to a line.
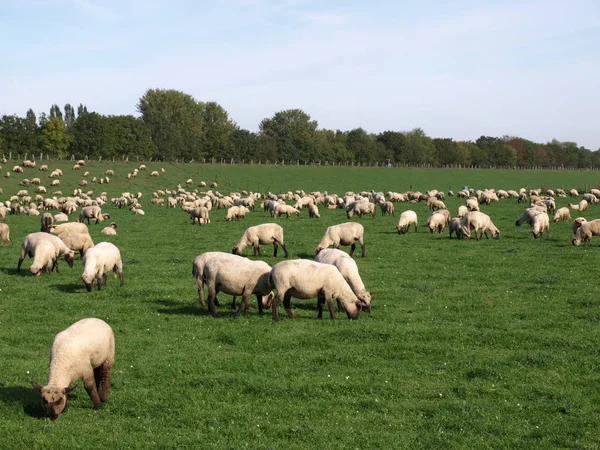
26	396
173	307
23	273
70	288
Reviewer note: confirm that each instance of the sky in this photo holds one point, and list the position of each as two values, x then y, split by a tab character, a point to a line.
455	68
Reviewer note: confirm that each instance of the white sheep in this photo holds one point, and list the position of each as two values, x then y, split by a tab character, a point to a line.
581	207
288	210
29	248
110	230
306	279
200	215
236	212
528	215
386	208
237	276
313	211
577	223
562	214
360	208
407	218
72	227
5	234
198	271
98	261
47	221
264	234
92	212
349	270
458	226
462	211
85	350
472	204
481	222
80	242
437	222
586	231
343	234
541	222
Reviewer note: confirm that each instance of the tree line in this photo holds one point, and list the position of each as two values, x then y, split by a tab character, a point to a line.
173	125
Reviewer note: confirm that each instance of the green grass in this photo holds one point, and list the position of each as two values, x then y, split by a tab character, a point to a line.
489	344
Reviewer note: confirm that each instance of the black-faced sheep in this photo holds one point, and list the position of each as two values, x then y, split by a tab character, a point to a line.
305	279
98	261
586	231
541	223
34	240
264	234
407	218
85	350
562	214
343	234
458	226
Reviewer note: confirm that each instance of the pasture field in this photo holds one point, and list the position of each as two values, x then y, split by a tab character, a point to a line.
469	344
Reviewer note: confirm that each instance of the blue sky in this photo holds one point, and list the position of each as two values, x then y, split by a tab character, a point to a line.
455	68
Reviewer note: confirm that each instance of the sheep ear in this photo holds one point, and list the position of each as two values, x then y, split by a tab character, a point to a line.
69	389
36	386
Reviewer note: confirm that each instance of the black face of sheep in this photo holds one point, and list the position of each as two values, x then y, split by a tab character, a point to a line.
70	259
54	399
88	286
235	250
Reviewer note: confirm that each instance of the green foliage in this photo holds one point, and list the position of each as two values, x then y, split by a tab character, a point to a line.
54	139
294	133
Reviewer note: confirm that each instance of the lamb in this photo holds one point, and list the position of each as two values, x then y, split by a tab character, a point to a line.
586	231
92	212
72	227
308	279
407	218
200	215
349	270
577	223
288	210
81	242
343	234
237	276
85	350
479	221
264	234
5	234
437	221
562	214
458	226
98	261
34	240
110	230
541	222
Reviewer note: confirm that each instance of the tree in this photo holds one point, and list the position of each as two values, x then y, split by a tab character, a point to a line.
89	135
446	151
69	115
294	133
126	136
55	112
175	122
31	131
217	130
395	142
14	136
243	144
420	147
53	138
363	146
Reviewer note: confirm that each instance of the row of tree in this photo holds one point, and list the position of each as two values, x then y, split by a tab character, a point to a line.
173	125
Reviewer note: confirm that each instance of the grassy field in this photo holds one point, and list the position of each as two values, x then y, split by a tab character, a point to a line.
488	344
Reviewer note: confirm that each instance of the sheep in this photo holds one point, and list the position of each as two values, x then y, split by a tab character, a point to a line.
237	276
81	242
479	221
573	193
34	240
308	279
198	271
581	207
44	167
92	212
72	227
458	226
60	217
462	211
5	234
76	166
154	173
85	350
437	222
136	211
586	231
81	162
528	216
472	204
387	208
562	214
264	234
98	261
349	270
541	222
142	167
435	204
200	215
313	211
46	221
577	223
285	209
343	234
407	218
360	208
110	230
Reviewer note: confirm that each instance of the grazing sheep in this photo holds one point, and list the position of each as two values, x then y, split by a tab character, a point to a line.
462	211
92	212
288	210
387	208
458	226
198	271
562	214
573	193
472	204
84	350
343	234
407	218
479	221
360	208
72	227
586	231
313	211
154	173
435	204
110	230
5	234
577	223
200	215
237	276
306	279
264	234
349	270
541	223
34	240
98	261
60	217
437	221
44	167
236	212
581	207
137	211
528	216
47	221
80	242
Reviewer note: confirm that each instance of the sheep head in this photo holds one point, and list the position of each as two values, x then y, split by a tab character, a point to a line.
88	284
266	300
54	399
235	250
364	299
70	258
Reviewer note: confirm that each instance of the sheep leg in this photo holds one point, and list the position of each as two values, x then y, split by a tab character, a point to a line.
363	248
320	302
102	377
243	304
233	303
212	293
285	252
20	260
275	248
287	300
330	306
88	383
104	279
352	248
259	301
275	305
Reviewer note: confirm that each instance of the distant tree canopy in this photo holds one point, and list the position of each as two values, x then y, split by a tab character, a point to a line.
174	125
